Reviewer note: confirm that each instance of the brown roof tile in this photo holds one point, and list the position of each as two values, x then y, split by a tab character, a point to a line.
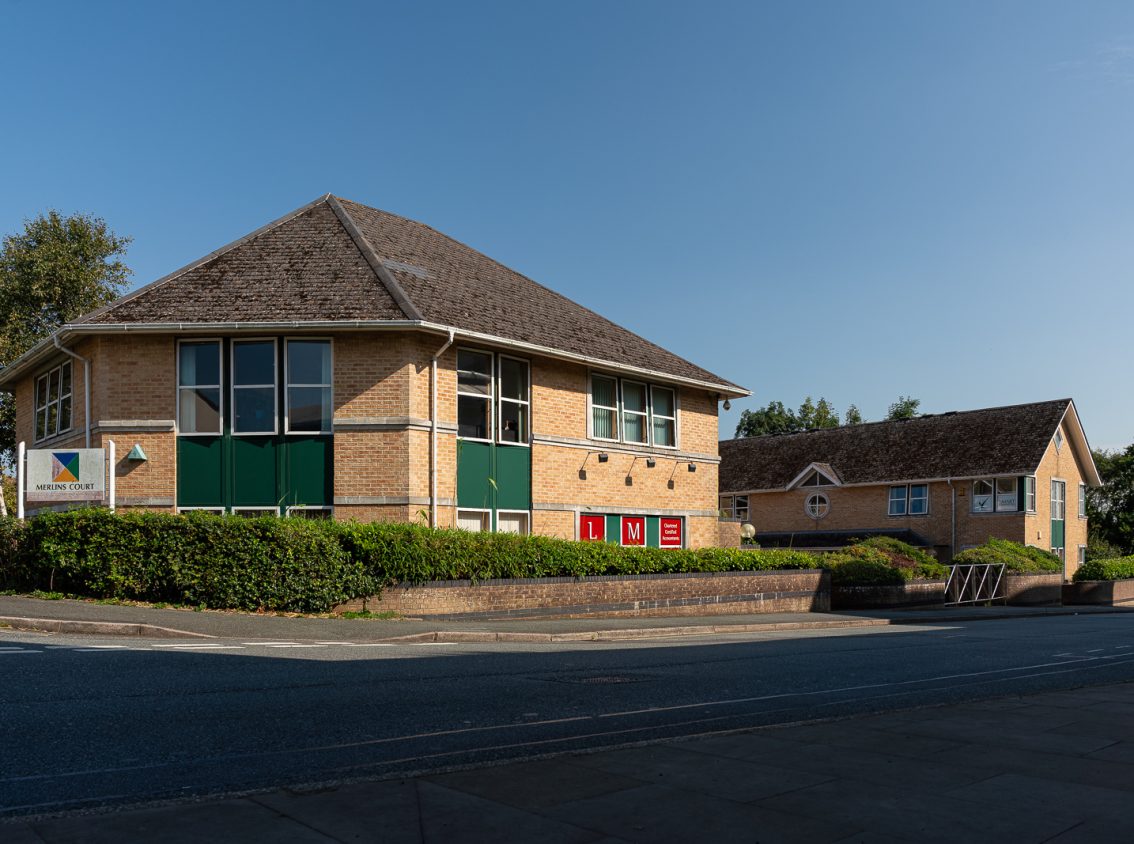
992	441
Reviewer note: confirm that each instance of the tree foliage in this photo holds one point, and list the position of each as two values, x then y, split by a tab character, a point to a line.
1110	508
904	408
58	268
777	419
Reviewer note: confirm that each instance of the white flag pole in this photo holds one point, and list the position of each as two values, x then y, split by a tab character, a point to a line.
21	480
110	482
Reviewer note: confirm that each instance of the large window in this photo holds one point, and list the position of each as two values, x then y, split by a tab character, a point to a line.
309	391
53	402
199	387
254	387
493	395
1058	501
515	401
996	495
632	412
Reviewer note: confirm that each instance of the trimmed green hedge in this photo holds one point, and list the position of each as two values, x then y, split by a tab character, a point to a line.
227	562
882	561
1120	568
1014	556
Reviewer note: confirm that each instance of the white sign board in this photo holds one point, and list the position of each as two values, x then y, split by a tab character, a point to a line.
66	474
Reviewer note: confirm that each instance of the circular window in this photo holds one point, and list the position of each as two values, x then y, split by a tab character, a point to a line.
817	505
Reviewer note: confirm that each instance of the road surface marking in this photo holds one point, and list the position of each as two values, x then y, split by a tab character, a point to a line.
295	646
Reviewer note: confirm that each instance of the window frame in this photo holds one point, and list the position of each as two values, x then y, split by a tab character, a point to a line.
233	387
1029	493
826	503
490	398
650	407
527	514
57	402
287	385
1062	486
242	510
911	497
484	512
1082	555
905	500
219	386
736	508
326	508
617	427
217	511
1082	500
994	482
526	442
647	417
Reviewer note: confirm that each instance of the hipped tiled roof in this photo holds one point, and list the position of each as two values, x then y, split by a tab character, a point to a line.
337	260
975	443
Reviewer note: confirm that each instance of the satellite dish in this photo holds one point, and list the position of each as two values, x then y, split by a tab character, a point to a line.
747	531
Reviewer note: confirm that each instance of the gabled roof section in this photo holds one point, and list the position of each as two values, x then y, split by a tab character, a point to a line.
336	261
826	475
976	443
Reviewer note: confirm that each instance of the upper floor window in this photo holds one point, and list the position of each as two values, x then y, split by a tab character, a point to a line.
1058	501
817	505
1030	493
53	402
633	412
1082	501
199	387
493	397
309	396
996	495
253	387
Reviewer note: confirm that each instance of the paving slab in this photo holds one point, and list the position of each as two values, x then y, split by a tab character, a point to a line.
1022	790
377	811
456	817
524	785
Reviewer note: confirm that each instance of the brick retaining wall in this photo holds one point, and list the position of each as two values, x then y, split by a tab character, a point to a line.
1034	589
1101	592
716	593
916	593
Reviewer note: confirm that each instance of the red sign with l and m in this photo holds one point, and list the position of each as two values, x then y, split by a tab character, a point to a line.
670	533
592	528
633	530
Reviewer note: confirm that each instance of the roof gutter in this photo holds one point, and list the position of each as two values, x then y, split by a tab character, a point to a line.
86	387
33	356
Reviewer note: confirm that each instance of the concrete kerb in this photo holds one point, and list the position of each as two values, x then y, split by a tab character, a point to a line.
98	628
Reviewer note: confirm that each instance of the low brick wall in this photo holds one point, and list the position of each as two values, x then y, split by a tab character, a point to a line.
1034	589
728	533
717	593
915	593
1108	593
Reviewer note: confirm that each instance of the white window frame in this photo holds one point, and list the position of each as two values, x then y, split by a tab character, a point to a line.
527	514
991	494
905	499
485	514
490	398
910	500
647	415
45	378
617	427
650	408
287	385
737	509
241	509
1082	501
232	387
219	386
1029	493
826	504
995	481
1062	485
217	511
326	508
500	400
1082	557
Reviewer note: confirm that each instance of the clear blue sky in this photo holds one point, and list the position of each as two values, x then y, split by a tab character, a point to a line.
850	200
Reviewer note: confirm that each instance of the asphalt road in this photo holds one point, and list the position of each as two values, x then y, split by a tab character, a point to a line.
90	721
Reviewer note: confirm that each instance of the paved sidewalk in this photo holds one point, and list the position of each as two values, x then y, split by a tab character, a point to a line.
1055	767
88	617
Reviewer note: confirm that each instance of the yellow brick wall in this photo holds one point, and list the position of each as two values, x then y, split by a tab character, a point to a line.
1059	464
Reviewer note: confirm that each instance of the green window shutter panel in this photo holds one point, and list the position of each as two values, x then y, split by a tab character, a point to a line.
1021	494
308	471
513	478
254	472
1057	534
614	529
199	476
474	471
653	532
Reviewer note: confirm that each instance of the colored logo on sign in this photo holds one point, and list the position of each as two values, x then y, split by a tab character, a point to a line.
592	528
64	466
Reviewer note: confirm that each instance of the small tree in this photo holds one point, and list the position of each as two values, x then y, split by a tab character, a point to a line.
853	416
58	268
904	408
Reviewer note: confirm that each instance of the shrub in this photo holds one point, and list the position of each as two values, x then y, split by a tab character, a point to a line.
919	564
860	565
11	536
1014	556
1114	569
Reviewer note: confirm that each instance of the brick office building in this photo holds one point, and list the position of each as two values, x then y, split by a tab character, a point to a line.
349	362
949	481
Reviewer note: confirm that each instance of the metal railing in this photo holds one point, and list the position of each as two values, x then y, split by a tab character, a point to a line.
975	584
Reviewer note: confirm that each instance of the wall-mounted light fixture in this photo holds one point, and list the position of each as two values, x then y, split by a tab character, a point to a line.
651	463
136	454
727	405
603	457
692	467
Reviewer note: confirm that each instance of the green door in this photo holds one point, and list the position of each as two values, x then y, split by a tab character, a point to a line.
1058	518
